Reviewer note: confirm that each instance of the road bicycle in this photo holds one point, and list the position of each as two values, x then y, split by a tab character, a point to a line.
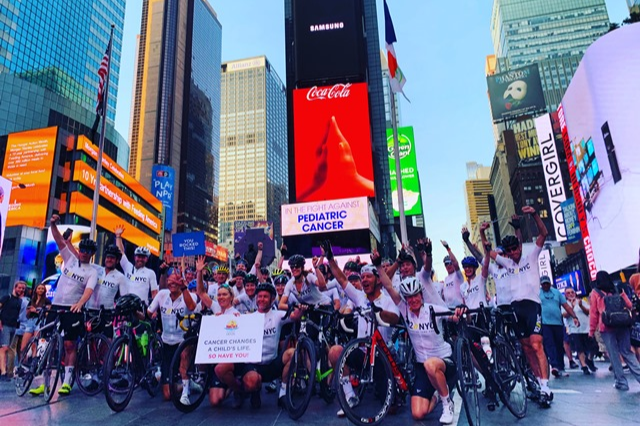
92	349
132	361
375	375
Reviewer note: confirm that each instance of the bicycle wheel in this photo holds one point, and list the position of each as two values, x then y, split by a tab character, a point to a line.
197	374
374	387
119	374
153	375
301	378
53	365
27	364
507	375
327	390
467	381
90	364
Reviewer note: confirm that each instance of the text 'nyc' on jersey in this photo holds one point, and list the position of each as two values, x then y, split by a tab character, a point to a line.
141	281
426	342
451	289
74	279
524	276
273	322
109	284
172	334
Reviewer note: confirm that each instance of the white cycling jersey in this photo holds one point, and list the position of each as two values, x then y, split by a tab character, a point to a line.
75	277
426	342
109	284
360	300
503	284
524	276
451	289
273	322
309	292
172	334
474	292
141	281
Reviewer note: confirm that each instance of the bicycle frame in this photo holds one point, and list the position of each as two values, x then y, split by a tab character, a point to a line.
378	340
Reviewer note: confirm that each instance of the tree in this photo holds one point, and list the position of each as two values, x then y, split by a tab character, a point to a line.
633	17
613	26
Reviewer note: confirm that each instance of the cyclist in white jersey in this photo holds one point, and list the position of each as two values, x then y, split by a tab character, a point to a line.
76	284
246	302
474	288
142	280
304	288
435	370
451	292
170	302
111	282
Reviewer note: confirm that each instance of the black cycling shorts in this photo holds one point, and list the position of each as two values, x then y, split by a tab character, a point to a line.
168	351
422	386
529	318
72	324
268	372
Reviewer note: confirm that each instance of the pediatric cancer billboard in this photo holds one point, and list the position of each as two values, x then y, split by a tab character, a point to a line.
28	162
599	113
515	93
332	143
409	171
325	216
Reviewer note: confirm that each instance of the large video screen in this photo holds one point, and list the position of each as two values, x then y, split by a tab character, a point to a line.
28	162
601	116
329	40
332	143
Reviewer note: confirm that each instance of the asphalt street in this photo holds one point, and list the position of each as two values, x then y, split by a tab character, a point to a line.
579	400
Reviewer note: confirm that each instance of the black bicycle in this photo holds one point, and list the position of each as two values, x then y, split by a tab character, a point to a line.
132	361
92	351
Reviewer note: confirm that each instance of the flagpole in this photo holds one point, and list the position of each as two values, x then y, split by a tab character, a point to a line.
105	107
396	153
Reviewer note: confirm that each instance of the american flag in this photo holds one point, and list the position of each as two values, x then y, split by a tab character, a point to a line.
102	73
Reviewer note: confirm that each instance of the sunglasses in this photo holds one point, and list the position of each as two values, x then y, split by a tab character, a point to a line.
86	251
511	249
447	263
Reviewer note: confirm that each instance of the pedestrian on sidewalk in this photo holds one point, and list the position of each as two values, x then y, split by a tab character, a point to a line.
579	336
618	339
10	307
552	325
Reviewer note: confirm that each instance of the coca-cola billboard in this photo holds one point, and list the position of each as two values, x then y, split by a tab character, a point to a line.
332	142
328	41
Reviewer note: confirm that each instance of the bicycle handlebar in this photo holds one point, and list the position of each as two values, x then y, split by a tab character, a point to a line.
467	311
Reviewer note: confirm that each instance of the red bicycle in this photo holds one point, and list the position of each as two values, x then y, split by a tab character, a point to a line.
370	367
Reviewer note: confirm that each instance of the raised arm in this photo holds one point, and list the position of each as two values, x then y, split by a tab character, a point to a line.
376	260
472	247
542	229
425	249
202	292
327	252
55	232
320	282
454	261
283	253
487	258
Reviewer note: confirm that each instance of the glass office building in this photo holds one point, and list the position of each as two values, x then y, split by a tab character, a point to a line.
253	152
176	107
50	52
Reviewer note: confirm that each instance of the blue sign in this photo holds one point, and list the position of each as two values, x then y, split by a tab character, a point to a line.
573	280
162	187
188	244
571	223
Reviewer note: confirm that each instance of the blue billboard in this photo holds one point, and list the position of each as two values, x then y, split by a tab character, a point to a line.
573	280
571	223
162	187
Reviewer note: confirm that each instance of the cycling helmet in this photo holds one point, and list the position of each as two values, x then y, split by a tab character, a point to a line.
265	271
296	260
223	269
277	272
410	287
446	260
142	251
88	245
240	274
510	241
266	287
470	261
250	278
113	250
354	276
406	257
281	279
370	269
241	262
192	285
128	304
351	266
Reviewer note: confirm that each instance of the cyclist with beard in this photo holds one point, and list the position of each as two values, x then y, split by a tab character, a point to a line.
524	277
142	280
246	302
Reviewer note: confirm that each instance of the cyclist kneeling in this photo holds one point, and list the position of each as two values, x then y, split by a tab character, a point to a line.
435	370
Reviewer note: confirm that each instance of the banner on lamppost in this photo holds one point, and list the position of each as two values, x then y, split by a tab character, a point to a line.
409	171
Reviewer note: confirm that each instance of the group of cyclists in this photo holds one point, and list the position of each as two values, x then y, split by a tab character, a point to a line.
399	293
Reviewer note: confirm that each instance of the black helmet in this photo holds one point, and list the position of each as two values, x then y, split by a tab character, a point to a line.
510	241
406	257
266	287
250	278
241	274
88	245
281	279
128	304
265	271
113	250
296	260
352	266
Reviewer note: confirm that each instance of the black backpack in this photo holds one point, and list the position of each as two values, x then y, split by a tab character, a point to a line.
616	314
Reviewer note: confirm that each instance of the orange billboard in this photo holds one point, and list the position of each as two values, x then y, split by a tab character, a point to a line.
85	174
28	162
85	145
83	207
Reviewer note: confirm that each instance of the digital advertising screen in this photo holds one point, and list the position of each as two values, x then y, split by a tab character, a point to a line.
325	216
163	188
329	39
28	162
408	170
5	194
247	234
332	143
515	93
599	114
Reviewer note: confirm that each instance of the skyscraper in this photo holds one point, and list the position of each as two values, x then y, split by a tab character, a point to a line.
253	145
176	107
477	192
50	53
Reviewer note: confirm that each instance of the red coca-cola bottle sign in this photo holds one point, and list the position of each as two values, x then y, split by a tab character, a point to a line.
321	93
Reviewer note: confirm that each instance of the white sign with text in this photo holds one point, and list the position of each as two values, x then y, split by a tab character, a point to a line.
230	339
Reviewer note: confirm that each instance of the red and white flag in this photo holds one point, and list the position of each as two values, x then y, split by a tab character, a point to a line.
397	77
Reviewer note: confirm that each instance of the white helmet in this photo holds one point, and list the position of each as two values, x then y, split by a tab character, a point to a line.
142	251
410	287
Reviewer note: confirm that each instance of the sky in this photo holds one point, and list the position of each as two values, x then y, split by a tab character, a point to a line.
441	48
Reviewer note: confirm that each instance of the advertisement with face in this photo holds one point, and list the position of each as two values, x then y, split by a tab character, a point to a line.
408	170
600	111
515	93
247	235
332	145
5	194
28	163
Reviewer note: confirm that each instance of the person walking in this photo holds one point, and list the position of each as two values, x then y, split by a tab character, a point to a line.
616	339
579	336
10	307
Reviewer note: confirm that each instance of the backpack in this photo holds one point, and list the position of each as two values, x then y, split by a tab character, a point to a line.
616	314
